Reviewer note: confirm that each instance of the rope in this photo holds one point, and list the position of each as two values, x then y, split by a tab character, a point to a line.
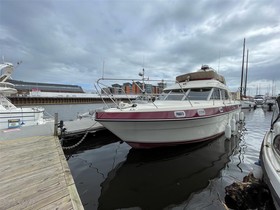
77	144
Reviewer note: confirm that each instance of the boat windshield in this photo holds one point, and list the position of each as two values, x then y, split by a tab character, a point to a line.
187	94
198	93
174	95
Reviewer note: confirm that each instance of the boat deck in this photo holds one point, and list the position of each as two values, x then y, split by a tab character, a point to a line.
34	174
77	127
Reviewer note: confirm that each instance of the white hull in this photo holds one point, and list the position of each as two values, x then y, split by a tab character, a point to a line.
154	133
247	104
11	116
15	117
18	117
271	165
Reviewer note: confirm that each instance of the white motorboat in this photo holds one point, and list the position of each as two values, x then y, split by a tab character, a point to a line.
270	156
259	99
247	103
10	115
270	101
198	107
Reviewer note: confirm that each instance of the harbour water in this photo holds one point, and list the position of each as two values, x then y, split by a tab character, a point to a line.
109	174
71	111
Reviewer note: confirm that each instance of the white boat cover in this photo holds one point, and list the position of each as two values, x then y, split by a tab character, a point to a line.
201	75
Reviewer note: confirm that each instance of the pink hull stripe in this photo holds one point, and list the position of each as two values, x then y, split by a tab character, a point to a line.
166	115
139	145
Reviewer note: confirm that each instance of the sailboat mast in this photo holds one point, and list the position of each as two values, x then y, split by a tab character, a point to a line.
241	88
245	89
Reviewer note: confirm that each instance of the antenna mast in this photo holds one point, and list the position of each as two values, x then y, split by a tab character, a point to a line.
242	70
219	60
246	73
103	69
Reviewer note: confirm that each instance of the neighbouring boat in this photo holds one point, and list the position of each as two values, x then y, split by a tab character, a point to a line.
269	102
10	115
247	103
270	156
198	107
259	99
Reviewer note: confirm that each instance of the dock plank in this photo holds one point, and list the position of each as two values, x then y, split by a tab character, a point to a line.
26	148
34	174
10	162
18	168
32	181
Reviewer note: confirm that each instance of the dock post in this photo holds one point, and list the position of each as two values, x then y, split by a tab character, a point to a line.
55	123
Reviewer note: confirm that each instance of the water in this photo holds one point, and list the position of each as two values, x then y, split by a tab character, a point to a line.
110	174
71	111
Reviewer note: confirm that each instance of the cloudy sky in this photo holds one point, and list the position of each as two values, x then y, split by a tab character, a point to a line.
68	41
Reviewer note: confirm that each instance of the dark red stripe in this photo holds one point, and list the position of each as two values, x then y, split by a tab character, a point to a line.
123	115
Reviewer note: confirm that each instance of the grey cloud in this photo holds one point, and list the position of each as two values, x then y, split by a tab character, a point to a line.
72	39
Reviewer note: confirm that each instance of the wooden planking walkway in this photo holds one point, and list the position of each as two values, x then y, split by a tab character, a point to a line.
34	174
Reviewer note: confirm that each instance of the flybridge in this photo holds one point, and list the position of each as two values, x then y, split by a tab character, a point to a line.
204	73
6	71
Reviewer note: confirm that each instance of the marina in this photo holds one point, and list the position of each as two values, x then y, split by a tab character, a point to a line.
205	117
97	166
139	105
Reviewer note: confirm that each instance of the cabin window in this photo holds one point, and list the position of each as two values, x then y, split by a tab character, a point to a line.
176	95
162	97
225	95
216	94
198	94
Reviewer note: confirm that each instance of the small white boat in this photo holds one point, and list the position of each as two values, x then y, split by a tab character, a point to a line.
12	117
270	156
196	108
259	99
247	103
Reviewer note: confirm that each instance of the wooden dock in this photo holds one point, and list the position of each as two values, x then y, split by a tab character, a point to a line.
34	174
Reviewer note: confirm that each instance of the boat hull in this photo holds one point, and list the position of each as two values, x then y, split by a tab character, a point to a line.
270	164
167	132
18	117
247	104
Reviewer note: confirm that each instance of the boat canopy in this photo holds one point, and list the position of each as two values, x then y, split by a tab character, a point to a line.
205	73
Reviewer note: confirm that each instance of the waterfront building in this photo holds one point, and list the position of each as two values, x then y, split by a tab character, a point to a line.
116	89
127	87
24	88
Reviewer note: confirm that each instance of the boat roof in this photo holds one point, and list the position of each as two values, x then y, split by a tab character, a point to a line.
197	84
205	73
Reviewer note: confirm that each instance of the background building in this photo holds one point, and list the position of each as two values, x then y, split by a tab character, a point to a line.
134	88
27	87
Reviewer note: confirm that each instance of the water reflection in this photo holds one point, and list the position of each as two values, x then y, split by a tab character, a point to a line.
160	178
92	141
